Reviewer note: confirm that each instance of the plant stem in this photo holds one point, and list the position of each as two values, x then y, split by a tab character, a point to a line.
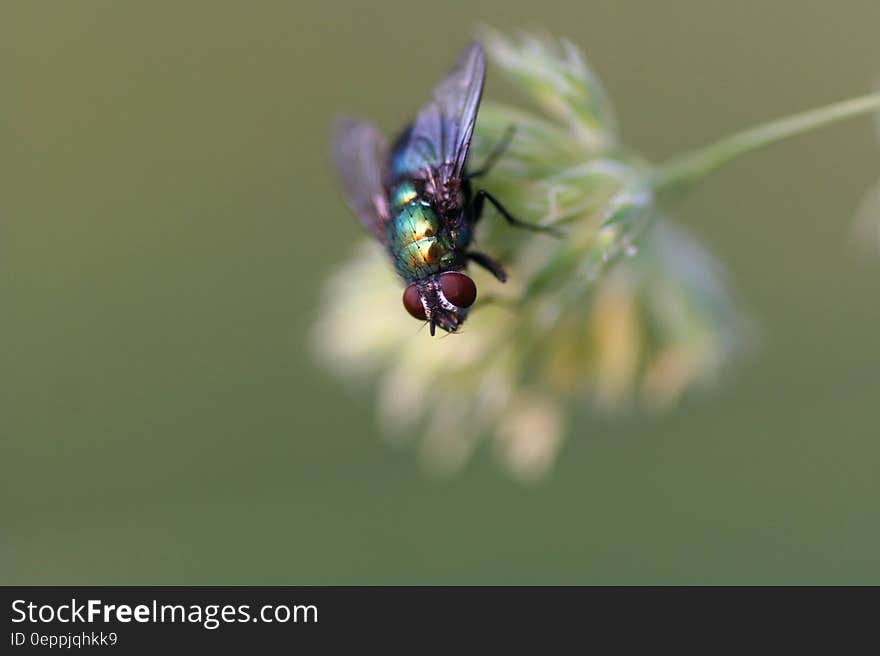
679	173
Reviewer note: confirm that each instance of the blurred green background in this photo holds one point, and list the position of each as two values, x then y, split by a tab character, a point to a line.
167	218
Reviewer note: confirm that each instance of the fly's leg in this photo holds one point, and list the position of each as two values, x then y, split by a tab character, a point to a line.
488	263
495	155
482	195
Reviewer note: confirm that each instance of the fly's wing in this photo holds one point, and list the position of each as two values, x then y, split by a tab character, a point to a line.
440	136
360	155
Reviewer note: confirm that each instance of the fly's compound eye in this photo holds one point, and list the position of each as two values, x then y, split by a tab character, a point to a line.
412	301
458	289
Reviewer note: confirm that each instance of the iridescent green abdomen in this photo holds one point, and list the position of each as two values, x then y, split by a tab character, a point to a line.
416	238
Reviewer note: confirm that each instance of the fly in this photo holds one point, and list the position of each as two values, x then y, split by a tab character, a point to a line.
417	199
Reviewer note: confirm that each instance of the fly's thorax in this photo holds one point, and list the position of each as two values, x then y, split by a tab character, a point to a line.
404	193
460	236
417	243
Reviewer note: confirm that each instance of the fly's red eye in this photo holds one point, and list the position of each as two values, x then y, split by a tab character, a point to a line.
458	289
412	301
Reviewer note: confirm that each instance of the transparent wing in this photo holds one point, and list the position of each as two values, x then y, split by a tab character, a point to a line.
440	136
360	155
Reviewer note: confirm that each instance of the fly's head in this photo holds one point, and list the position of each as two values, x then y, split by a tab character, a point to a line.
442	300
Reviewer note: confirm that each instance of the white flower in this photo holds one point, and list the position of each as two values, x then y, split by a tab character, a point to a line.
625	311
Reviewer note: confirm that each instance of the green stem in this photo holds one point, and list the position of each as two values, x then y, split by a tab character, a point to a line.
681	172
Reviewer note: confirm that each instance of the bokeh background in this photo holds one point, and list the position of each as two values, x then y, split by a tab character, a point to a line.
167	218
